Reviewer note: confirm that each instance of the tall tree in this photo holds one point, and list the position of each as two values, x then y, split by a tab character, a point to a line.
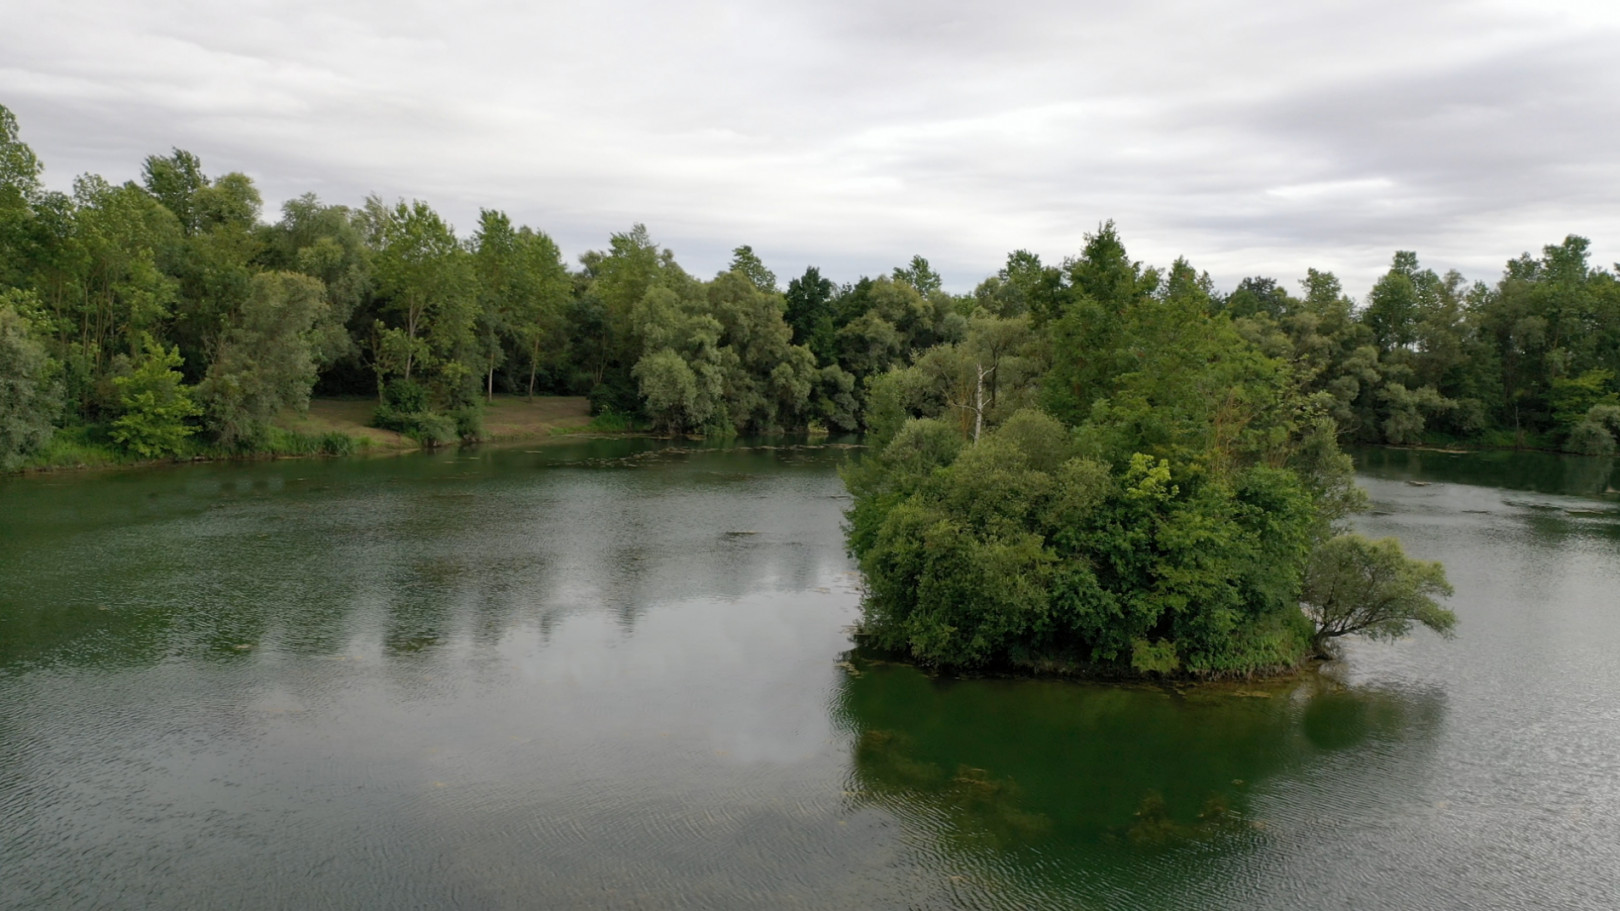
920	275
266	360
30	398
326	243
747	263
174	180
810	313
422	272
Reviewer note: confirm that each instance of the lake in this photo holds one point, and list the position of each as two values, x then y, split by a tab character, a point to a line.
617	674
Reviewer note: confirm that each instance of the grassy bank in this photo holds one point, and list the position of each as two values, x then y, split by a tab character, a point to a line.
331	427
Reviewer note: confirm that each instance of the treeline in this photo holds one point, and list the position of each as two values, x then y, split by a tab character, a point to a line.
165	316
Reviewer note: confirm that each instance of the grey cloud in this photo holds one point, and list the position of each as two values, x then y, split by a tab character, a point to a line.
1252	137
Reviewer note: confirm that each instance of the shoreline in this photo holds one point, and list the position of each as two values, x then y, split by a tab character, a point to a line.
1259	684
507	420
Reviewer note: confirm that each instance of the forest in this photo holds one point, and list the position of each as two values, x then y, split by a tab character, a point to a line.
167	316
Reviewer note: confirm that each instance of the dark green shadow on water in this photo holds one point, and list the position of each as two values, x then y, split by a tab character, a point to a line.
1111	779
1542	472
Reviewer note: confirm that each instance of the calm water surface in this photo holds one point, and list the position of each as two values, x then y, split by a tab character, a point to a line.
617	675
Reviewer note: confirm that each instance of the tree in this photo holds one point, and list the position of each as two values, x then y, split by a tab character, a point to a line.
19	190
29	397
1104	273
423	273
1161	520
214	263
919	275
1595	433
267	359
156	406
326	243
19	167
1408	409
494	248
670	389
746	263
174	181
124	234
1370	588
522	287
1260	295
1023	285
769	386
1016	549
810	313
973	383
545	290
1392	306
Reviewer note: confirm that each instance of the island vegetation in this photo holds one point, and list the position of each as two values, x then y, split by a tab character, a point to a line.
1126	482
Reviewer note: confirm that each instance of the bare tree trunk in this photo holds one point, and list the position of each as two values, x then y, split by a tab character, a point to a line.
534	365
979	399
978	404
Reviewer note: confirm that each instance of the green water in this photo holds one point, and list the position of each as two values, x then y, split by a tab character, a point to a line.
617	675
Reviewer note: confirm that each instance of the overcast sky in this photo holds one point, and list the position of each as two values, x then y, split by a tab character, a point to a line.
1250	137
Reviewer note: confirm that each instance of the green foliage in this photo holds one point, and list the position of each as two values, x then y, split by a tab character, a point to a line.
1595	433
19	167
1154	657
426	277
1572	398
670	388
469	421
339	444
1354	585
266	361
279	441
1161	521
1408	410
77	446
428	428
30	397
405	396
745	262
407	408
174	180
155	405
1016	549
809	314
919	275
1134	359
1591	438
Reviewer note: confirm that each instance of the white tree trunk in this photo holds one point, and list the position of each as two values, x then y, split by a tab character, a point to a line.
978	404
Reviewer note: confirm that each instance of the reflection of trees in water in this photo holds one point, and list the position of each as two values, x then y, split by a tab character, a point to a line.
1544	472
408	554
1078	781
714	525
479	558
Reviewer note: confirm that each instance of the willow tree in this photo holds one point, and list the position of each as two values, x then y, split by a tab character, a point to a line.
266	359
1370	588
